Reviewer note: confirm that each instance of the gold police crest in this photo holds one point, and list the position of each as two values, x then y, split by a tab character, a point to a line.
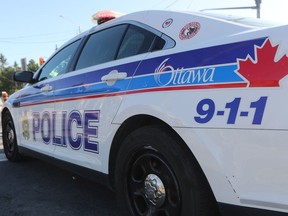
25	126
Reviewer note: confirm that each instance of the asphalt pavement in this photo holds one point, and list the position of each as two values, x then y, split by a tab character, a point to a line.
32	188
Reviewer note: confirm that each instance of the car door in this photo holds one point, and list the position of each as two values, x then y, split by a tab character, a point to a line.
107	63
35	103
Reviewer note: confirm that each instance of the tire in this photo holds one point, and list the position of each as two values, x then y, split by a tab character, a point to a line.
9	139
154	176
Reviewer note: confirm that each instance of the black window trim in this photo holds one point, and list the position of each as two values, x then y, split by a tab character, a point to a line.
86	38
71	67
169	42
121	41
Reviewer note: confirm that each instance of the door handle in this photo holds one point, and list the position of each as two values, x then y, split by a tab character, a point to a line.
46	88
113	76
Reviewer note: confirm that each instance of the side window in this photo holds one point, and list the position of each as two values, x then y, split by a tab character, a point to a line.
138	40
58	63
101	47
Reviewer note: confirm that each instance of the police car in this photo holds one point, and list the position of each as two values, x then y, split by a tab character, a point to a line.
180	113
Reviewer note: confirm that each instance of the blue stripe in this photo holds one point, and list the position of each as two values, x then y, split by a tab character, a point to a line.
90	83
199	76
217	55
94	76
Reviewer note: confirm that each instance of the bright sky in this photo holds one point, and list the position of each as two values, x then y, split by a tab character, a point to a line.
33	29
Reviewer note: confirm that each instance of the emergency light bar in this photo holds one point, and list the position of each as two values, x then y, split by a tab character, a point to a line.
104	16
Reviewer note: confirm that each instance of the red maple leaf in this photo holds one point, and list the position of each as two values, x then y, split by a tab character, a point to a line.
264	71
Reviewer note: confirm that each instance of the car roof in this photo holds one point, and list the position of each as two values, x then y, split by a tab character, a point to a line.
226	24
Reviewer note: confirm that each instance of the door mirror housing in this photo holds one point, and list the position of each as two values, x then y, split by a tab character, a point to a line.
24	76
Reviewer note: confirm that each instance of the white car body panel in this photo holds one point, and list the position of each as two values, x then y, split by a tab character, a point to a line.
235	127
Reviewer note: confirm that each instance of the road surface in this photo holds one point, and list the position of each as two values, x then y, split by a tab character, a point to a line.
33	188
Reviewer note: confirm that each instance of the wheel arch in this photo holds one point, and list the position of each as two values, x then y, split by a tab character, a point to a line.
9	137
136	122
127	127
3	112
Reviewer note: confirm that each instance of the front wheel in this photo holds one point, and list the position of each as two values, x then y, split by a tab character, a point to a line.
9	139
155	176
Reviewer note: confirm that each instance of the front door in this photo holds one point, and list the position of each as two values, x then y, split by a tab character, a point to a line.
35	103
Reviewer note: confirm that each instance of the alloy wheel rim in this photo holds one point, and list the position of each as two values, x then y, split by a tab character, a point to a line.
152	186
10	138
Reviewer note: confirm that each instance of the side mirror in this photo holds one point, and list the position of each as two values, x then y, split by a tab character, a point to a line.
24	76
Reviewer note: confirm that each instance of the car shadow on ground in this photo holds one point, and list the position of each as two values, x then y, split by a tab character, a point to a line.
33	187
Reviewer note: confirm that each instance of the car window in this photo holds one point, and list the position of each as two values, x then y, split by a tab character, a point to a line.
58	63
136	41
101	47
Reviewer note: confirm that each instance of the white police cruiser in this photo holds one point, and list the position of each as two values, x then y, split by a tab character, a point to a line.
180	113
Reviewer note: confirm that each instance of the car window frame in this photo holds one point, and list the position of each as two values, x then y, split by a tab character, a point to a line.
86	39
70	63
169	42
124	37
